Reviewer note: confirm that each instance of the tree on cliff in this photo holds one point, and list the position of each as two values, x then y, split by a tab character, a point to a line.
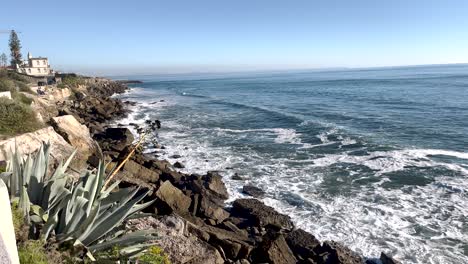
3	60
15	49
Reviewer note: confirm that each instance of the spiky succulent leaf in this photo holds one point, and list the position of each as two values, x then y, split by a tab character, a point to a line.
110	221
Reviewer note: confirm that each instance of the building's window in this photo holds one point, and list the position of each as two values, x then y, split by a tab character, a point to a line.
29	70
39	70
43	62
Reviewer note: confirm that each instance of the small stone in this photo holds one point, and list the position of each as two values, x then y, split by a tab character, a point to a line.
179	165
253	191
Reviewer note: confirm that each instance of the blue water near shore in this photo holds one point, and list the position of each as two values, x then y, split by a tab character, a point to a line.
375	158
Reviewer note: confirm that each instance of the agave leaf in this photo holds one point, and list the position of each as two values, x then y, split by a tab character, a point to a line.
77	214
36	219
139	207
5	176
127	239
106	192
63	166
87	224
24	203
131	251
16	179
110	221
37	210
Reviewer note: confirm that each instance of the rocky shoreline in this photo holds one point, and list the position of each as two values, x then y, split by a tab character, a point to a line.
194	205
190	210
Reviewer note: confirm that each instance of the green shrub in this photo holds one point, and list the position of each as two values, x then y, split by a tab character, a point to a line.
16	117
17	77
22	98
7	85
72	82
32	252
23	87
154	255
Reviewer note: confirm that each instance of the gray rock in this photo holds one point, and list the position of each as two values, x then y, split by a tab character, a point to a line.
178	165
253	191
173	198
302	243
386	259
261	214
334	252
274	250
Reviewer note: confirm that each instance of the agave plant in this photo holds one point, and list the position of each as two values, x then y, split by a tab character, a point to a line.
84	212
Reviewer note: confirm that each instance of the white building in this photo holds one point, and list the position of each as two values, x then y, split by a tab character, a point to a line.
35	66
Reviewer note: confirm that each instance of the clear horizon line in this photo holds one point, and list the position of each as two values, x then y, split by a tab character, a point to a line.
338	68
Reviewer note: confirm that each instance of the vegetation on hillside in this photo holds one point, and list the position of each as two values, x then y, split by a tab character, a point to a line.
16	116
80	220
72	82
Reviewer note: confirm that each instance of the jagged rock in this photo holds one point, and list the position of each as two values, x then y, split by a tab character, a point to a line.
142	173
76	134
261	214
173	198
385	259
275	250
115	138
333	252
176	156
302	243
237	177
30	142
172	176
179	246
212	210
253	191
179	165
214	182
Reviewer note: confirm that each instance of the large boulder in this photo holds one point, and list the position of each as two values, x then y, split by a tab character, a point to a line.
261	214
302	243
140	172
76	134
275	250
253	191
212	210
332	252
115	138
30	142
386	259
214	182
173	199
179	246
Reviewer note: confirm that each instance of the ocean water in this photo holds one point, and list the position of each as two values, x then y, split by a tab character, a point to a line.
375	158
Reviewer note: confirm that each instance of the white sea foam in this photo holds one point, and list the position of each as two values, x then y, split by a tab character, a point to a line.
416	224
396	160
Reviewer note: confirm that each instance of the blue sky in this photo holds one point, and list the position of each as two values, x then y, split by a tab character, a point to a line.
118	37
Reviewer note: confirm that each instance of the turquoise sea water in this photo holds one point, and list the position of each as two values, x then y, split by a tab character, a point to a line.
375	158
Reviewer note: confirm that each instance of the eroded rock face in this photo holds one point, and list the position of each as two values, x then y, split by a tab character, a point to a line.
180	246
173	198
253	191
76	134
274	249
386	259
30	142
334	252
302	243
261	214
116	139
214	182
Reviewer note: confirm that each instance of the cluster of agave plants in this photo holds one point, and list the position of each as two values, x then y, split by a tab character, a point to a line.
84	214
